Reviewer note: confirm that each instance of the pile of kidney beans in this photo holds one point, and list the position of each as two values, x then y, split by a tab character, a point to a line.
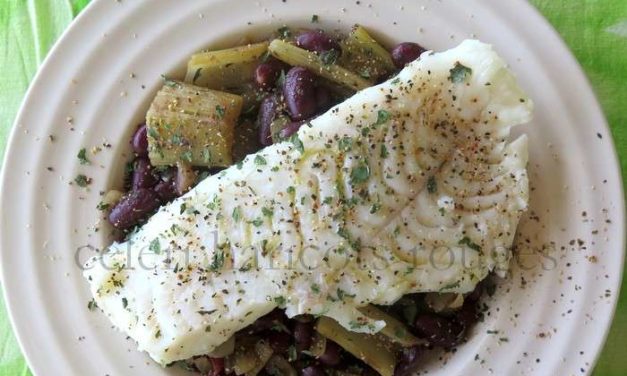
291	91
148	188
439	330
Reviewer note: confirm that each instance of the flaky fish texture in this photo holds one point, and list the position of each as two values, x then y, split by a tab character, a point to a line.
408	186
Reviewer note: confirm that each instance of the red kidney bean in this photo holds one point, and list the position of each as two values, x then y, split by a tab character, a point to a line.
267	73
313	371
303	335
332	354
406	52
143	176
467	315
217	366
323	98
279	341
409	362
317	41
266	76
299	91
139	142
166	190
268	111
438	330
273	319
133	207
291	128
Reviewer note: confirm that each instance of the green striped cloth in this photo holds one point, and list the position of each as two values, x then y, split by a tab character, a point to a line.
596	31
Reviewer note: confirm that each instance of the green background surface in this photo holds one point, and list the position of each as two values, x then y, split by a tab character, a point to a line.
595	30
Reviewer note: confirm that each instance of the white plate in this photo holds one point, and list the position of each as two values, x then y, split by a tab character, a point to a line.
552	315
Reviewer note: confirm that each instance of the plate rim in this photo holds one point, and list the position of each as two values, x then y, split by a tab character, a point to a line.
92	8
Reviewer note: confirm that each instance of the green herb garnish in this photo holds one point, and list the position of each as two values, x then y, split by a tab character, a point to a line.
298	144
82	157
384	151
237	214
102	206
153	133
375	208
360	173
329	57
260	161
345	144
82	180
206	155
155	246
382	117
220	111
187	156
432	185
459	73
217	262
169	82
279	300
92	305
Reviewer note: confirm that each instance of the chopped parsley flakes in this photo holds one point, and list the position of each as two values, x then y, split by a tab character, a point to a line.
260	161
315	288
384	152
459	73
155	246
279	300
360	173
345	144
237	214
329	57
82	157
220	111
92	305
298	144
383	117
217	262
432	186
82	180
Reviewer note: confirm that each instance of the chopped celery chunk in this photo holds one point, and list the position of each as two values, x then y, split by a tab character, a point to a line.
226	69
393	329
365	56
297	56
192	124
370	349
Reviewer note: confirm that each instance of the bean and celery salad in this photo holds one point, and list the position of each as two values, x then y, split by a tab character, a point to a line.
235	101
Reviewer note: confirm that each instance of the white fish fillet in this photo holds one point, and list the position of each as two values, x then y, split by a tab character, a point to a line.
408	186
